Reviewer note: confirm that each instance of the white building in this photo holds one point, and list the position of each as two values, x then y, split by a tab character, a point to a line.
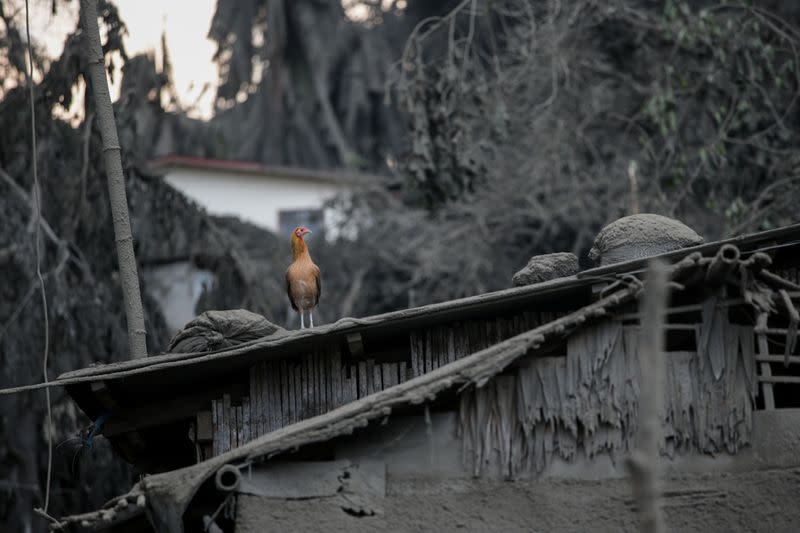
273	197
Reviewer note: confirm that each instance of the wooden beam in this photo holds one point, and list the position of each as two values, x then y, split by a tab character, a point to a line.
356	345
768	380
777	358
766	371
205	429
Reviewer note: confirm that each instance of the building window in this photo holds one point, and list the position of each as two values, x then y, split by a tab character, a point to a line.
312	218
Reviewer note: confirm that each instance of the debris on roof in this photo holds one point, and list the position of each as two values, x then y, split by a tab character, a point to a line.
643	235
217	330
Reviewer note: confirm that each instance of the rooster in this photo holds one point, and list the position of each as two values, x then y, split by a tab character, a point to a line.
302	278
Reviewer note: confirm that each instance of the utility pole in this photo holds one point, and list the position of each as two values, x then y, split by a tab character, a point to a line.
129	276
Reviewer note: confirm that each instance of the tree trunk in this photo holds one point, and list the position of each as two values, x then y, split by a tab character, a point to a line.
129	276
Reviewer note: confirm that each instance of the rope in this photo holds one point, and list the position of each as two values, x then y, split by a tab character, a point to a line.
37	202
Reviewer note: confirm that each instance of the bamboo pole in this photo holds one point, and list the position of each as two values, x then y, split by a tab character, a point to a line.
129	276
644	461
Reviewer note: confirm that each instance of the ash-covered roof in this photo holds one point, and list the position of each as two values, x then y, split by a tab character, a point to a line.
168	369
340	177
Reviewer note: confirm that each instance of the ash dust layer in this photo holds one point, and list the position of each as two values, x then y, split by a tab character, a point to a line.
753	501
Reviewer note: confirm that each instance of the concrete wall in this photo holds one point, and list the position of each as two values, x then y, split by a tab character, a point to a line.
761	501
428	489
254	198
412	448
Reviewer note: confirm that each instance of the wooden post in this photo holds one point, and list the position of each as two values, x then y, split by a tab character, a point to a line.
129	276
643	464
763	351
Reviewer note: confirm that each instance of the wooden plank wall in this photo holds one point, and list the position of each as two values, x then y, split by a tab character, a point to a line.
286	391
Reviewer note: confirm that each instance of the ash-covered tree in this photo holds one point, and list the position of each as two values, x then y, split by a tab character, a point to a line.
525	119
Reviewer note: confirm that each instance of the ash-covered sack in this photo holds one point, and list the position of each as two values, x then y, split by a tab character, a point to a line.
638	236
546	267
214	330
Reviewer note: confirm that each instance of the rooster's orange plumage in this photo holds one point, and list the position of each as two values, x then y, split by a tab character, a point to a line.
302	277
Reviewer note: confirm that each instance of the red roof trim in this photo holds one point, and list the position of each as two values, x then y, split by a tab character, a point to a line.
162	163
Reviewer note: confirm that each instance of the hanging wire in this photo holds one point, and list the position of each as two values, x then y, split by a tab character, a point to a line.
37	204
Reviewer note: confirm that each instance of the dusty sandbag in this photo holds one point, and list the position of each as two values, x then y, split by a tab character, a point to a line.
546	267
214	330
638	236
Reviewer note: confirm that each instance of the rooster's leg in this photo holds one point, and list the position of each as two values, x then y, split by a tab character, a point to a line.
311	317
302	324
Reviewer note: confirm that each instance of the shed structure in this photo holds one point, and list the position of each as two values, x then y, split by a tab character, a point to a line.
533	382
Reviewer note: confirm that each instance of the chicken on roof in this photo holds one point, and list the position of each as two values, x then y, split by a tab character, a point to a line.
303	278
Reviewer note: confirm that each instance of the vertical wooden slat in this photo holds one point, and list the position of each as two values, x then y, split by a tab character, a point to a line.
402	372
269	411
314	384
436	353
272	413
220	437
226	423
309	393
370	376
252	402
305	393
430	353
389	371
291	413
766	371
269	398
319	387
286	407
237	433
346	382
337	381
325	379
327	373
255	399
235	426
362	379
462	343
215	427
377	378
277	420
246	420
353	383
413	341
262	404
298	390
451	345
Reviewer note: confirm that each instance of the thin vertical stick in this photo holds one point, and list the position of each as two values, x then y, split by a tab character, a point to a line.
634	188
37	203
643	464
129	276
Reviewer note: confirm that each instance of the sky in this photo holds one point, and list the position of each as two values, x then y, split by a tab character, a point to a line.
186	23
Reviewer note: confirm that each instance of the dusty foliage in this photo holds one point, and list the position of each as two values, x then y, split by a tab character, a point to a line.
507	129
525	118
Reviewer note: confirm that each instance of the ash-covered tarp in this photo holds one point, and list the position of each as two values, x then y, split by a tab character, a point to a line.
216	330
